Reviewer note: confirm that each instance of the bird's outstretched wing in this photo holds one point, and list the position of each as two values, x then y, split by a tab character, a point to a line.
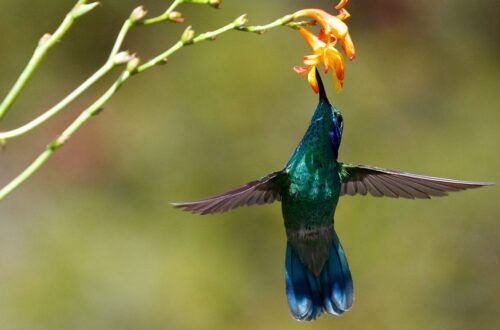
362	179
261	191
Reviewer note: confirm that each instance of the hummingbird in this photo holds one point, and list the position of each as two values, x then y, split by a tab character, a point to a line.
317	275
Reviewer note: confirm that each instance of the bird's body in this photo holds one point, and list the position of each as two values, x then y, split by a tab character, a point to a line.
310	191
317	276
309	187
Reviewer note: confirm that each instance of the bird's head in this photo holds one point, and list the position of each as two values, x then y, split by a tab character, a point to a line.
327	112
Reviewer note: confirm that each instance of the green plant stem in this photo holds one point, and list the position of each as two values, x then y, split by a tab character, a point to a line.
162	58
104	70
263	28
130	72
4	136
108	66
40	52
65	136
165	16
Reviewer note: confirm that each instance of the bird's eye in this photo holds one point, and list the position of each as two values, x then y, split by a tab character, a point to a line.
340	121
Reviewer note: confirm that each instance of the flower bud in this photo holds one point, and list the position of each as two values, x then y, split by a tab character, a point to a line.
44	39
242	20
187	36
133	64
215	3
175	16
83	9
123	57
138	13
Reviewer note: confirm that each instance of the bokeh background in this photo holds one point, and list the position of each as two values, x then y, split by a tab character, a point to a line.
90	242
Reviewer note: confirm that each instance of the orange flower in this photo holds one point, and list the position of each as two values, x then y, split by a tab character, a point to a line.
325	54
333	27
323	46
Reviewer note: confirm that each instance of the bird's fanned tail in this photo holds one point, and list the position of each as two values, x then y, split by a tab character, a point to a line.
309	295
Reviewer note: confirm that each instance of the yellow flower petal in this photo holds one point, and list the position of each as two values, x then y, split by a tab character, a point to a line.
341	4
311	39
312	59
343	14
336	26
348	47
313	82
338	83
336	62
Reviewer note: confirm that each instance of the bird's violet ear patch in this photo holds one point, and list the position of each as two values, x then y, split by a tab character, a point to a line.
333	29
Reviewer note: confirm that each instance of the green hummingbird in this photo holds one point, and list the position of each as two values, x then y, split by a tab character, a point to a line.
317	275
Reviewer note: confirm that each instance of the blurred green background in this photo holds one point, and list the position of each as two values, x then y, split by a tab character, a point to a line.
90	241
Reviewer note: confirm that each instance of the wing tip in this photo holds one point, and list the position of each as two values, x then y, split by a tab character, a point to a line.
186	207
194	208
182	206
489	184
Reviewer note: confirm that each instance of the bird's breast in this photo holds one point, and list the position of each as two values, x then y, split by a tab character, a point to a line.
311	195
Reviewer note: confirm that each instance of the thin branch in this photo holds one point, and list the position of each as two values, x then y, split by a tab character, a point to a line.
133	68
166	15
46	42
65	136
110	63
160	59
4	136
262	28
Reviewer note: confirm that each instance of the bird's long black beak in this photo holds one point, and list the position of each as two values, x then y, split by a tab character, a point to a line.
322	93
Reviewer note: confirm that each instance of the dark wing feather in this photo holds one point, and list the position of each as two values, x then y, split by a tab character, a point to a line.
262	191
362	179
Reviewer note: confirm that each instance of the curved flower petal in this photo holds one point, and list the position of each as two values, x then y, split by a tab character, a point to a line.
322	35
336	26
343	14
311	77
330	23
312	59
339	84
311	39
341	4
300	70
326	61
336	62
348	47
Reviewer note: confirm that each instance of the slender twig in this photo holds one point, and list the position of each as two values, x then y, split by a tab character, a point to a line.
105	69
165	16
97	105
262	28
133	68
101	72
46	42
65	136
160	59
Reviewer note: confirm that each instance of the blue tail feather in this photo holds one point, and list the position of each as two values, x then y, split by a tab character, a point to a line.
299	295
331	292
